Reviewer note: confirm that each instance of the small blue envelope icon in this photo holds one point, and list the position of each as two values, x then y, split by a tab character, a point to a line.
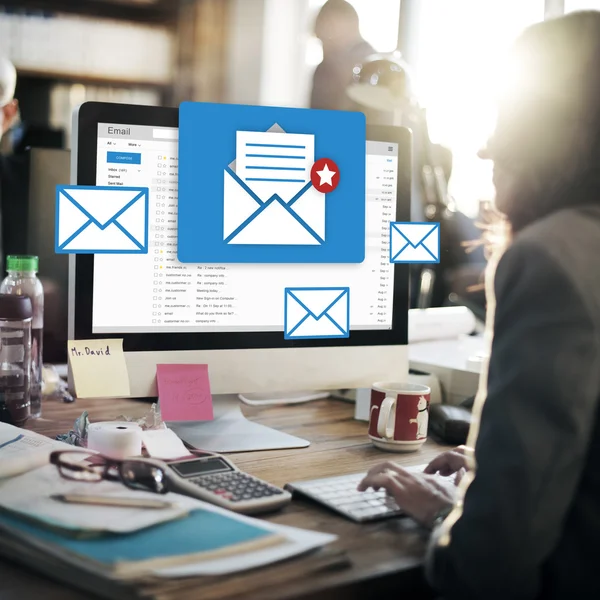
317	313
414	242
101	220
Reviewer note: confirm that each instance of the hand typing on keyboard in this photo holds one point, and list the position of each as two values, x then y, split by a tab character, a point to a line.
451	462
421	495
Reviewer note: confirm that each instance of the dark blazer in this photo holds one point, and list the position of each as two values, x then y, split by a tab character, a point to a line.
530	525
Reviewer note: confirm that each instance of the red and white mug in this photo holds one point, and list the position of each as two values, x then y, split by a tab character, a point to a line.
399	415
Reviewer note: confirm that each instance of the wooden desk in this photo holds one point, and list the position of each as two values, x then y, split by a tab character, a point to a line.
383	556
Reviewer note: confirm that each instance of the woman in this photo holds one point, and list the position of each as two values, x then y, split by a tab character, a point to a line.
526	522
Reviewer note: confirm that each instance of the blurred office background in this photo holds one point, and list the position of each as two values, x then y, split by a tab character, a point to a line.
161	52
262	52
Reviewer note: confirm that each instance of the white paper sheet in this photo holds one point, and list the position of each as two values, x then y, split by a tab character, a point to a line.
274	163
22	450
30	494
164	443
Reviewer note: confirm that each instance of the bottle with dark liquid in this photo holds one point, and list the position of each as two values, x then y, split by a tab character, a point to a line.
22	281
15	358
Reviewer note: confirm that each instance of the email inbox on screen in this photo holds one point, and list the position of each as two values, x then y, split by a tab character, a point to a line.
165	295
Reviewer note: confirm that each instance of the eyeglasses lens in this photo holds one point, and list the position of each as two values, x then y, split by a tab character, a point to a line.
81	466
143	476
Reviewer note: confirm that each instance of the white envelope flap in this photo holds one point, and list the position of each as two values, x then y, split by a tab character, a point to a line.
72	218
239	204
318	302
249	220
103	206
309	206
415	233
133	221
273	223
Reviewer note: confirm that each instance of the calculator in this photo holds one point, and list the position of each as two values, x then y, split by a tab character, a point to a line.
214	479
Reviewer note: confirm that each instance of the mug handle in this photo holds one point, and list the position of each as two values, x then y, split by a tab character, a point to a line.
385	429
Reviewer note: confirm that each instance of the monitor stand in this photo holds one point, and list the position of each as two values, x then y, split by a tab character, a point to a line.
231	431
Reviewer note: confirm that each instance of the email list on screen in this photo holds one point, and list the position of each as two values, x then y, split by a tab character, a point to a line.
166	296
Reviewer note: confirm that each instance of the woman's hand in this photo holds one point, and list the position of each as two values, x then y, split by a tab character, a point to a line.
421	496
448	463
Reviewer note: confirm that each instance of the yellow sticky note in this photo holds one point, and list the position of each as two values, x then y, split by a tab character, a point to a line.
98	368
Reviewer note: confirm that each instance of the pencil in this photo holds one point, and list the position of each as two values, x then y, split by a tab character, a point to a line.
110	501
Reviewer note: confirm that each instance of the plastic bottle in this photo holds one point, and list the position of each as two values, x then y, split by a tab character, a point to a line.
22	281
15	358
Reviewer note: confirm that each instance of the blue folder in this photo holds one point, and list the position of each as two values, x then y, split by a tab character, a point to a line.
201	532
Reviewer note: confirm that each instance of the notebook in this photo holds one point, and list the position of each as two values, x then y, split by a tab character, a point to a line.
203	535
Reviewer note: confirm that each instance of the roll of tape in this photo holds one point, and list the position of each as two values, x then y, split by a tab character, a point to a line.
115	439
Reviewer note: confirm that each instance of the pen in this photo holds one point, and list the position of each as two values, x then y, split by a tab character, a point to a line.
109	501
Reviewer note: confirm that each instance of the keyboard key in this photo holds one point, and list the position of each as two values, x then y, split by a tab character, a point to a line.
328	496
377	503
355	506
373	512
342	501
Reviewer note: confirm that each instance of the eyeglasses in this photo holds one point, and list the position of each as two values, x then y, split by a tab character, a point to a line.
135	473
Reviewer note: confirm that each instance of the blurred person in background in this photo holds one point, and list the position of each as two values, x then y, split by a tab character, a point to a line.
14	201
9	107
524	521
10	174
337	28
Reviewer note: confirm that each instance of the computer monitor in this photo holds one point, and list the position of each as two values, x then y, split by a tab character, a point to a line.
228	316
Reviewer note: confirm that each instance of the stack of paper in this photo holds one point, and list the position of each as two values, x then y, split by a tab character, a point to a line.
106	549
203	535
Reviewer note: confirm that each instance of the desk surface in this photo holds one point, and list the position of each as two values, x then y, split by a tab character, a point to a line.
366	557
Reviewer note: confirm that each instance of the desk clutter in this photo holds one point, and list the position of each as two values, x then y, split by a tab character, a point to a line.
52	531
115	504
129	519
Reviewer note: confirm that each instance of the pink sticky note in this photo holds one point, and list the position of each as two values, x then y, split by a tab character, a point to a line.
184	393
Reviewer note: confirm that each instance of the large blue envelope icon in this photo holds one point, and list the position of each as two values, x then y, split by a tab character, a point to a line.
414	242
317	313
101	220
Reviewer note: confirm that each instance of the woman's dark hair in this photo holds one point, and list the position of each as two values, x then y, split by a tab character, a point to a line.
546	146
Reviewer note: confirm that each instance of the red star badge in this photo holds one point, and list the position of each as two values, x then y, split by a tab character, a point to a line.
325	175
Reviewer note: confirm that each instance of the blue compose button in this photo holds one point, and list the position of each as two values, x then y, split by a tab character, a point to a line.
124	158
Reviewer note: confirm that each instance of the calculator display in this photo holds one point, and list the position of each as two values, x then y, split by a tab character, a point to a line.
200	467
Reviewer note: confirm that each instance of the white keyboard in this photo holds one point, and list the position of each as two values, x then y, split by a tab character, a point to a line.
340	494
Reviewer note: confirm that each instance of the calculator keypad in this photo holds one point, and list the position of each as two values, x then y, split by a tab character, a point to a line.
236	486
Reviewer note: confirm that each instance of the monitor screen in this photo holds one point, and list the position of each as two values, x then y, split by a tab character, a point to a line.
166	296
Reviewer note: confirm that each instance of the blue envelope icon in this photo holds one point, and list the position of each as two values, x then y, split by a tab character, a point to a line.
414	242
101	220
316	313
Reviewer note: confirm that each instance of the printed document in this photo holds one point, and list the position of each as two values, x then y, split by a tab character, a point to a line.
22	450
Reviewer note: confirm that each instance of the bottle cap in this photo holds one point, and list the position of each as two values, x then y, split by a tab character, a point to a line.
21	263
15	308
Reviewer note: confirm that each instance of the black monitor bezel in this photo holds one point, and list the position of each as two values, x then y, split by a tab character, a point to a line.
89	116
